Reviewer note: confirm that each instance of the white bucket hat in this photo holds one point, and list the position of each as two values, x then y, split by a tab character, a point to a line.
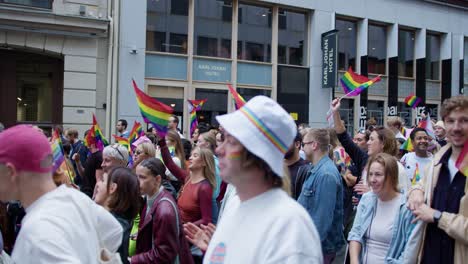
264	128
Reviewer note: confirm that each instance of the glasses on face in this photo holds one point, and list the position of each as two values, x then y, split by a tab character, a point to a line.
120	153
307	143
358	139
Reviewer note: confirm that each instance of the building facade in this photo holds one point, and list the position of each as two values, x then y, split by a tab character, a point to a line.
54	57
194	49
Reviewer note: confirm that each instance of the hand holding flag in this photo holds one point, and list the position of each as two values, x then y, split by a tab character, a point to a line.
353	84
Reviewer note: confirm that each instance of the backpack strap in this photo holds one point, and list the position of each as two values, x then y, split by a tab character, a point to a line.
177	219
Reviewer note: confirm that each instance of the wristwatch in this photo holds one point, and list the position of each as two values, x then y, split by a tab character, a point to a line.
436	216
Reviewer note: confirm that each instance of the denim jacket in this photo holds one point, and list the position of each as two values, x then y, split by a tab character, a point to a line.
322	197
406	237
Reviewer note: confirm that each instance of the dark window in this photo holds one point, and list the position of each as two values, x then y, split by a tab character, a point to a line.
178	43
465	62
214	106
179	7
291	38
207	46
211	26
346	44
405	53
167	26
34	3
293	91
432	57
377	49
255	32
248	93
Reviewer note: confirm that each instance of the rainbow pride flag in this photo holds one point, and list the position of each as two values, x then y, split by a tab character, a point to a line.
194	106
57	152
153	111
413	101
135	133
462	160
427	125
407	145
95	136
238	100
353	84
416	176
125	142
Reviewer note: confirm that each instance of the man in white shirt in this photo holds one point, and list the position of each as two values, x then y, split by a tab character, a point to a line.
263	224
61	225
416	162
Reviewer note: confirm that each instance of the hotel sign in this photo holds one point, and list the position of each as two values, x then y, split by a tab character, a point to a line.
329	58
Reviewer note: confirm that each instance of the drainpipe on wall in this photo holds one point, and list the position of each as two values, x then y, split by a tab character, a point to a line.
115	67
109	66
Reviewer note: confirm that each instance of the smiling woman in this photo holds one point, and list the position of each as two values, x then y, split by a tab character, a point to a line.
380	211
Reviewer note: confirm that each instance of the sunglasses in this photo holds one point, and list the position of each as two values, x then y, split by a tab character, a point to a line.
307	143
120	153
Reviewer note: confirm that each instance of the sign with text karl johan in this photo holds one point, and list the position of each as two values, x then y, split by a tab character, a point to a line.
211	70
329	58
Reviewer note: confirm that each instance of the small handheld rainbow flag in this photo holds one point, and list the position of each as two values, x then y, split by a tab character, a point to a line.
353	84
412	101
125	142
416	176
95	136
407	145
427	125
194	106
135	133
153	111
57	152
238	100
462	160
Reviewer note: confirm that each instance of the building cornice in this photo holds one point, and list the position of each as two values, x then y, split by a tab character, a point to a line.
44	21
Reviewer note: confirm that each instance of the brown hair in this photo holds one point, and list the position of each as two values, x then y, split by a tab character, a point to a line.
209	171
394	121
250	160
321	136
155	166
387	137
390	165
126	199
179	148
72	132
211	139
459	102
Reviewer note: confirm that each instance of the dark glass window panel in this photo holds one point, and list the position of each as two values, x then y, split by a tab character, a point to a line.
346	44
255	52
167	26
377	49
156	41
432	57
179	7
240	49
207	46
282	54
215	105
405	113
248	93
465	62
293	37
255	32
347	114
34	3
293	91
405	53
178	43
211	26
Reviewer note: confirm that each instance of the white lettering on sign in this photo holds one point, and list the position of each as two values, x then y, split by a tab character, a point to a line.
362	117
392	110
211	70
325	62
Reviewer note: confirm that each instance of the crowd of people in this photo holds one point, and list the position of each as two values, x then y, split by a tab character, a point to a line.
255	189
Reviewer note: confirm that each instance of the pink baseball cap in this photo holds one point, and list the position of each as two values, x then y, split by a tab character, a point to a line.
26	148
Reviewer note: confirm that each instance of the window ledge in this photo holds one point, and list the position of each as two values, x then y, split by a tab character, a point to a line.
40	20
166	53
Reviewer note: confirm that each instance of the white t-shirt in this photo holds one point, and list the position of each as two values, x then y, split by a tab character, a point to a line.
269	228
410	161
379	234
64	226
